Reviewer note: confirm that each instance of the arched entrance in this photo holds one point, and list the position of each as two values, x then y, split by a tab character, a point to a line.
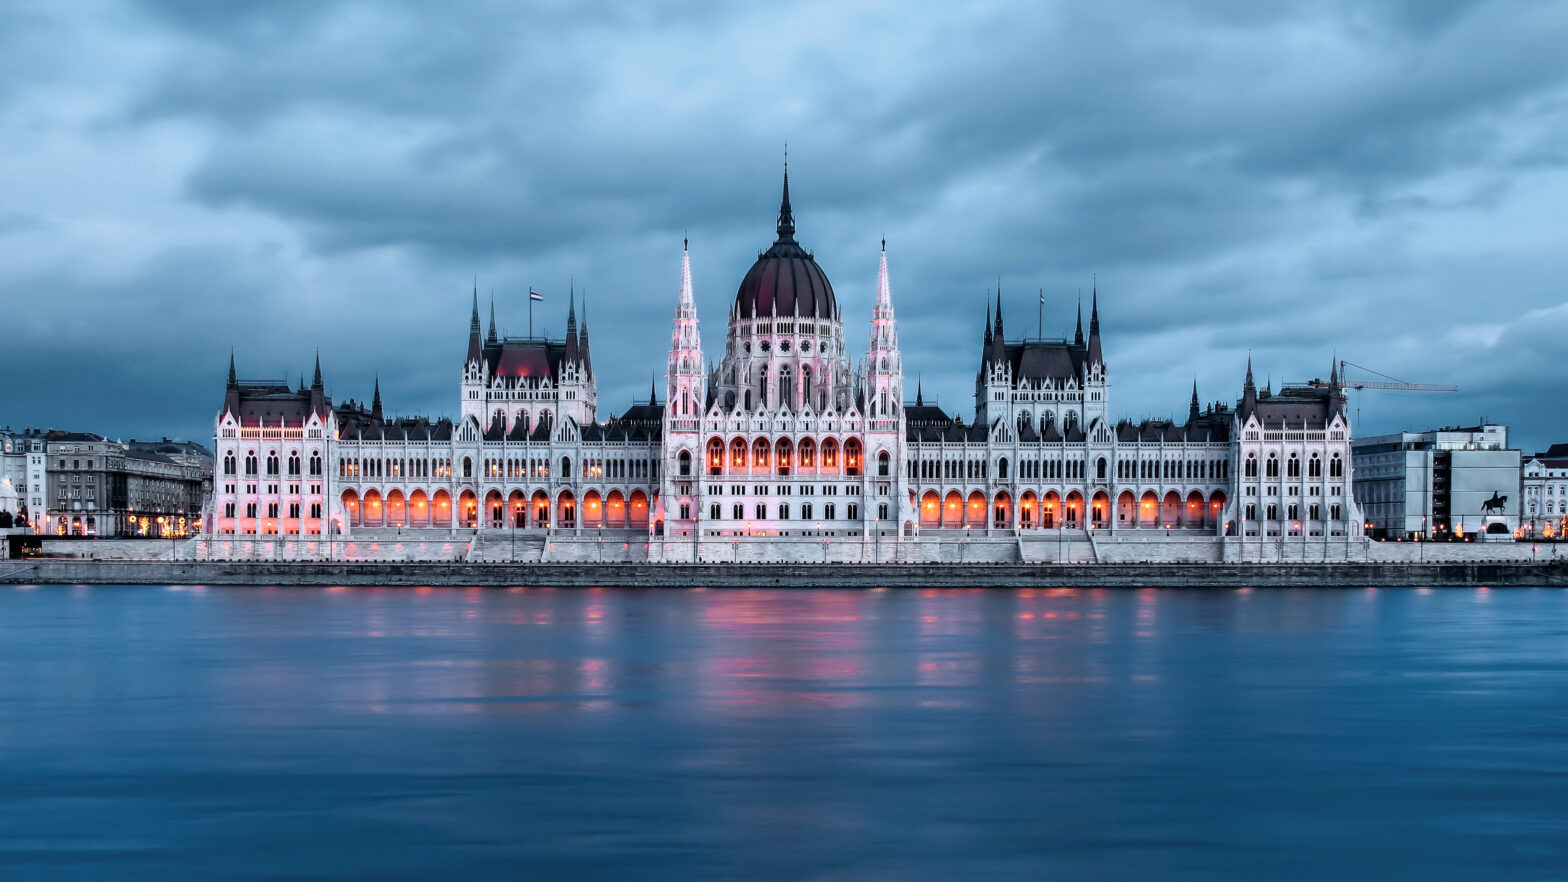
517	509
974	512
441	509
397	509
373	513
351	508
1126	509
1002	510
418	509
540	503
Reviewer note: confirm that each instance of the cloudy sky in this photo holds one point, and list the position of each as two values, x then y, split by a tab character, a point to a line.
1292	179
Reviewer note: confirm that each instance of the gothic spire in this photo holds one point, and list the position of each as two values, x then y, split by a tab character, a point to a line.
1249	392
1192	407
1095	356
985	354
999	306
375	401
582	337
786	214
234	379
920	396
492	337
653	391
1078	334
475	342
315	382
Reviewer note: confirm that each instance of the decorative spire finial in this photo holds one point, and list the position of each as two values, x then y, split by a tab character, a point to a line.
786	213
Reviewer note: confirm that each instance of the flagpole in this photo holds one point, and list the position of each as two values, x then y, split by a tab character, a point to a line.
1039	328
530	312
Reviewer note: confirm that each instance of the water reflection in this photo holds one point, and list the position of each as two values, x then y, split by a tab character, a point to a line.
376	733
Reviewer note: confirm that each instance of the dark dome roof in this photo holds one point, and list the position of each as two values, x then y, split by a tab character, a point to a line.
785	280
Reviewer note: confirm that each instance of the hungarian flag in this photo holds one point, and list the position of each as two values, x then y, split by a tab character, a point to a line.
534	295
1042	296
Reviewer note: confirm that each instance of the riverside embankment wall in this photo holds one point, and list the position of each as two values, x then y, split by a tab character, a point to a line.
945	575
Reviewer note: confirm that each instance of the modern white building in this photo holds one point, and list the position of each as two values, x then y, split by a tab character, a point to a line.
1436	484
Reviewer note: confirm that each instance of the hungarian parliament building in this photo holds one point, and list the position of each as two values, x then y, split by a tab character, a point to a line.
793	447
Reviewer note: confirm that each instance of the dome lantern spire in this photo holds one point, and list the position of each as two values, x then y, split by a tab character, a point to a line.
786	213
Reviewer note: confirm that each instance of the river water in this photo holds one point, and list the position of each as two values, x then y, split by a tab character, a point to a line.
255	733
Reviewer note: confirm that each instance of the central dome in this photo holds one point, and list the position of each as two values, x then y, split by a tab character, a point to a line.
785	280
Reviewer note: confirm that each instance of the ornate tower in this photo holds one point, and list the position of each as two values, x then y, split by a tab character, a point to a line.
686	385
686	393
884	369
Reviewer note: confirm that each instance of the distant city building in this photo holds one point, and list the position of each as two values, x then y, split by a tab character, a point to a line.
789	434
1544	492
101	487
22	481
1437	484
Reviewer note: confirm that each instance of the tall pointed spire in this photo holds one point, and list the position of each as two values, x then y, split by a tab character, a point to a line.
1094	355
475	342
1249	392
234	379
492	337
1192	406
582	337
653	391
686	392
375	401
920	392
315	382
1078	333
999	306
985	350
786	213
572	353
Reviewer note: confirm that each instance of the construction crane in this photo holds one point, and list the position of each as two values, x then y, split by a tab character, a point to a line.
1386	383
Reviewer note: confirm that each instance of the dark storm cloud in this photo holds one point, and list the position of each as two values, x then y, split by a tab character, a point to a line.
1287	178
